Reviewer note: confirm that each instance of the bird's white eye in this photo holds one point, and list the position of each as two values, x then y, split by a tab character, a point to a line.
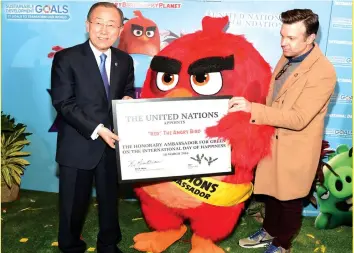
325	195
150	34
207	83
166	81
137	32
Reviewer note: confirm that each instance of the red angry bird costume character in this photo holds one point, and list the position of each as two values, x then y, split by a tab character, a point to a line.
140	36
207	62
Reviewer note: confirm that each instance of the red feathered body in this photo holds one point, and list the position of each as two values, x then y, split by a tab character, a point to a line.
165	206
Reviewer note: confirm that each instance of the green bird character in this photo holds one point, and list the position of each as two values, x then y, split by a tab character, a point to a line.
336	192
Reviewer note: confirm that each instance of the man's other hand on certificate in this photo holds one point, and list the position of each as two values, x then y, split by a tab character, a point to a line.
237	104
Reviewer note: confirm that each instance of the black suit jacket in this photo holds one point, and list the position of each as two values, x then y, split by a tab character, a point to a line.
78	95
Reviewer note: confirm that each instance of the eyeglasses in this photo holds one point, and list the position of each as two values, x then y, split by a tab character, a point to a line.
100	25
282	71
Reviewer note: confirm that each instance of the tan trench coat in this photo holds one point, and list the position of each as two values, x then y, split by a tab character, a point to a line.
298	114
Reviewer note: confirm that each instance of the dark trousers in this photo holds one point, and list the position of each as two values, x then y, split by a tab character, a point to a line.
282	220
75	188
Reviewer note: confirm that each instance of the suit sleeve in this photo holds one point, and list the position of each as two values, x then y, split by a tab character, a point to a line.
311	101
64	97
129	89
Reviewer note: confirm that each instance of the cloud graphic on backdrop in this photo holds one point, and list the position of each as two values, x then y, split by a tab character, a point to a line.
29	51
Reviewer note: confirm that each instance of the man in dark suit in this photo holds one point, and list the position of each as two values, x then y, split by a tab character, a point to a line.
84	80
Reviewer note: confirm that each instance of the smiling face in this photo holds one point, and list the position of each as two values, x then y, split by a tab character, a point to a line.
104	27
294	40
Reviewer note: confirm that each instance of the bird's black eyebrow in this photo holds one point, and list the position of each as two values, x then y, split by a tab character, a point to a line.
137	27
211	64
151	28
165	64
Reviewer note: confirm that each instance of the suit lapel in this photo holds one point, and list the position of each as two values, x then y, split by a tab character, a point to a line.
93	71
114	76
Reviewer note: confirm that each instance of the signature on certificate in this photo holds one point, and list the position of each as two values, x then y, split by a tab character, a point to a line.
140	162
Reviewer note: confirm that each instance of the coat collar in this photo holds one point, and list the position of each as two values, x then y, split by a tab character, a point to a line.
304	67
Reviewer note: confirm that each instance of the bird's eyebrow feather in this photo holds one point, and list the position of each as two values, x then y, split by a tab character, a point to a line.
211	64
165	64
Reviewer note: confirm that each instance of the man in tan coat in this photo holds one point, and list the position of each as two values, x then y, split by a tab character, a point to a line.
300	90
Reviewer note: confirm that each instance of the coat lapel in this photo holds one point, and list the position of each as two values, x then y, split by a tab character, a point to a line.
93	71
299	71
278	67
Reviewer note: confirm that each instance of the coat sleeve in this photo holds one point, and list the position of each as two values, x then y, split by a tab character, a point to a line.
64	97
311	101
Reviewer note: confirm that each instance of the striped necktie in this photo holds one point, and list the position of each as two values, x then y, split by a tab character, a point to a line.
103	58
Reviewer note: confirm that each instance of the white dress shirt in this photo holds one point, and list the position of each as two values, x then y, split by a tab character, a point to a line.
97	54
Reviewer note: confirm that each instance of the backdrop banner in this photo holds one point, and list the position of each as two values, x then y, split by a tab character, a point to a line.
43	28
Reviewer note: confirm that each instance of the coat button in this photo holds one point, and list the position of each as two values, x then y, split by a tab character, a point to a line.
253	121
282	102
276	137
296	74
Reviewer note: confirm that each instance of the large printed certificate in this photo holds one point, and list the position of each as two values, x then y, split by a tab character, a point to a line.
165	138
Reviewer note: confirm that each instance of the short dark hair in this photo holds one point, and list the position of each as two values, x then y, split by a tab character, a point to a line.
107	5
309	18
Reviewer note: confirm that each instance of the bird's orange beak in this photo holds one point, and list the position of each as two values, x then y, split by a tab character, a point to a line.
177	93
144	38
